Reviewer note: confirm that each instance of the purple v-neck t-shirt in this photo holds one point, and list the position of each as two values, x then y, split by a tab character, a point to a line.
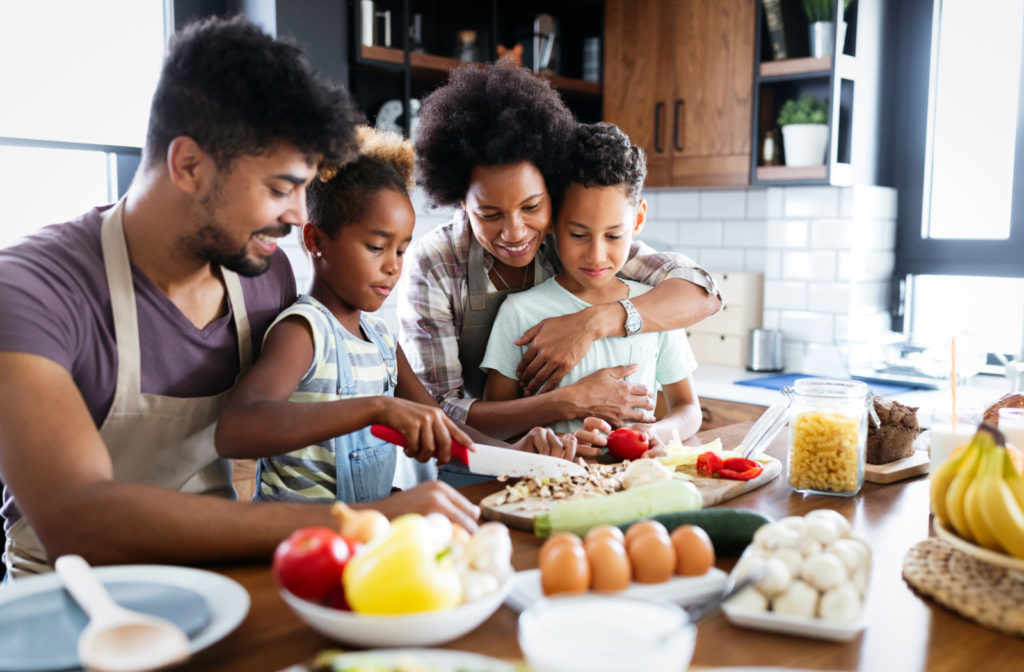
54	302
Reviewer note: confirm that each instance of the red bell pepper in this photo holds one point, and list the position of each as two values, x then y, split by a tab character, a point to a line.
735	468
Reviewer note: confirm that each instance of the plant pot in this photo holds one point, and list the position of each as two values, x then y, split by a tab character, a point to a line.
823	38
804	144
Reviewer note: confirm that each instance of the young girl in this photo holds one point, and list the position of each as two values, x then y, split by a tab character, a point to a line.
327	349
601	212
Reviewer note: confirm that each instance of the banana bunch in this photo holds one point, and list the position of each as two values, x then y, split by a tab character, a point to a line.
979	494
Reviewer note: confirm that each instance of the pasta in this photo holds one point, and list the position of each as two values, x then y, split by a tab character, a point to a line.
824	452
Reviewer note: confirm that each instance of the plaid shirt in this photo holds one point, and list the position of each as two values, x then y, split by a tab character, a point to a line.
434	291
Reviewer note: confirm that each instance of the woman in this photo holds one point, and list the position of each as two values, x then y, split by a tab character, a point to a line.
495	141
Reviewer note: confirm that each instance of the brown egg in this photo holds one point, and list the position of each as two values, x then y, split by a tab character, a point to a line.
644	526
652	556
695	554
565	569
604	532
556	540
610	570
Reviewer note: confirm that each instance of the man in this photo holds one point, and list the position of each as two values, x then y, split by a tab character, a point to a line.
121	332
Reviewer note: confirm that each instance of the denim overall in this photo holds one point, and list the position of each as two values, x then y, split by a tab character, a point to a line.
365	464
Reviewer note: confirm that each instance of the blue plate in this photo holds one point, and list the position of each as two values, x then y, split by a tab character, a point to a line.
39	631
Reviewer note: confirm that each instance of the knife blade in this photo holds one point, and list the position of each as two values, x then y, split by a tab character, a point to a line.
494	461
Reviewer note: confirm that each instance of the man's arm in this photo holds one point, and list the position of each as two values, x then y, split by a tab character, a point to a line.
57	467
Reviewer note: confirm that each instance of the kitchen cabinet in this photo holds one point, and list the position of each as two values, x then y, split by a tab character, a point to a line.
679	82
852	75
723	338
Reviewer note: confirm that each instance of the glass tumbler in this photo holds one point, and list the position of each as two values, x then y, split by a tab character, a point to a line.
828	431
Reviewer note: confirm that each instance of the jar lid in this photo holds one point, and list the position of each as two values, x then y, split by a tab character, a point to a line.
831	388
467	36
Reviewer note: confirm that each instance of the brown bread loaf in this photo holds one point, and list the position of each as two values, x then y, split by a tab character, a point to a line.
894	439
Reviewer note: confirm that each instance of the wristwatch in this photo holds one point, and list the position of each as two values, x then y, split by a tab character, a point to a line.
634	323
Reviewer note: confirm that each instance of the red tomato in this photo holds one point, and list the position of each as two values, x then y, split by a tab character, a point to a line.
627	444
310	561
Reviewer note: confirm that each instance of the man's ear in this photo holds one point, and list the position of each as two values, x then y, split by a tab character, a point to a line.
311	239
641	217
188	165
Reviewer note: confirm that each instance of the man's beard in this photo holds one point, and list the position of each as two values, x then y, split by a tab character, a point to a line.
211	243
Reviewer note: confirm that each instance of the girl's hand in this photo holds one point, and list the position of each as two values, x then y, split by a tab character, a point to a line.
605	394
557	344
594	435
427	430
546	442
656	447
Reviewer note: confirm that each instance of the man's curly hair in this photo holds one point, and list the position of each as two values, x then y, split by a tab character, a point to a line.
237	91
490	116
603	156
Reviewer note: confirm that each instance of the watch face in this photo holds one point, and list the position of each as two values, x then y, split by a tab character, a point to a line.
633	324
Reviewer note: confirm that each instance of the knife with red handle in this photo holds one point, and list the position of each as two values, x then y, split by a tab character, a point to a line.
494	461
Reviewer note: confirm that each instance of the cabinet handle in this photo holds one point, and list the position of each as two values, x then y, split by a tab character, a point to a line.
675	124
658	107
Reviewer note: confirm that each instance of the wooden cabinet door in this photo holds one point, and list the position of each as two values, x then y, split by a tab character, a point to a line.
713	65
638	79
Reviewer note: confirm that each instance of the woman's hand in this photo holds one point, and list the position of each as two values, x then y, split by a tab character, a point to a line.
427	430
606	395
557	344
546	442
431	497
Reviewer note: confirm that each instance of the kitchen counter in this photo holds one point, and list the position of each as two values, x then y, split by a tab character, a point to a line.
719	382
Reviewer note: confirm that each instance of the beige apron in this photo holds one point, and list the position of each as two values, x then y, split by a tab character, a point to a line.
165	442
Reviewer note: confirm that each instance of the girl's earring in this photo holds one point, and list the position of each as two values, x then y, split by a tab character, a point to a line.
318	254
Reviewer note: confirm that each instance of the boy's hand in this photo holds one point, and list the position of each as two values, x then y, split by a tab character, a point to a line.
431	497
427	430
594	435
557	344
546	442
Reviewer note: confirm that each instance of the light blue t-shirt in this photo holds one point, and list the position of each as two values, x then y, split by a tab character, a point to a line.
663	357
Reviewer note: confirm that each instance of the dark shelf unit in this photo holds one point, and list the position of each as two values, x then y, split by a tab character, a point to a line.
379	73
832	79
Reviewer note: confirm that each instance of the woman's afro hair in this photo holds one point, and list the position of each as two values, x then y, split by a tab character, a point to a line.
603	156
342	194
489	116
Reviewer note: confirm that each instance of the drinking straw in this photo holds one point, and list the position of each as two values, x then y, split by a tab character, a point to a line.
952	375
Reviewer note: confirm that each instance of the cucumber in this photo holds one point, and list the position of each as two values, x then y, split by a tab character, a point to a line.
731	530
579	515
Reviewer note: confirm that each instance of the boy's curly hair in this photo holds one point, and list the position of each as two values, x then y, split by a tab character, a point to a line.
342	194
488	116
237	91
603	156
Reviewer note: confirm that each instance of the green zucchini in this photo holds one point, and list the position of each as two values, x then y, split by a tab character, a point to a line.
731	530
579	515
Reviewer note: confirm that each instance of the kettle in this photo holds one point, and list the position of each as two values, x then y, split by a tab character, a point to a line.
765	351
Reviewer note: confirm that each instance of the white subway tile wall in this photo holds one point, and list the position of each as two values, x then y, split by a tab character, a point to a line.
827	254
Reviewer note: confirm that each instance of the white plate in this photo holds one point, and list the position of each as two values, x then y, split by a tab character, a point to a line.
815	628
227	600
992	557
429	660
424	628
683	590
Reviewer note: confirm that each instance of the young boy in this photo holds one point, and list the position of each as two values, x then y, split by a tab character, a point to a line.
600	214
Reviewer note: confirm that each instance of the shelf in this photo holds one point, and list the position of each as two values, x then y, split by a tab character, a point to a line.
787	173
432	64
806	68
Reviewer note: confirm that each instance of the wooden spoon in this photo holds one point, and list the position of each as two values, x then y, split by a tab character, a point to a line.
118	639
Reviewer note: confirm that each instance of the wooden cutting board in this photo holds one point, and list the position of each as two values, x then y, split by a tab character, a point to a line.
908	467
519	515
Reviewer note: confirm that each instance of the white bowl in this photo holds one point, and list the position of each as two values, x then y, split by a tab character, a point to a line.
424	628
605	633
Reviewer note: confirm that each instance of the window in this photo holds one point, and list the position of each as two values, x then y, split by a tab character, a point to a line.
77	89
961	172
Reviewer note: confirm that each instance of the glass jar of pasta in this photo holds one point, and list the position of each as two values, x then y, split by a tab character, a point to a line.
828	433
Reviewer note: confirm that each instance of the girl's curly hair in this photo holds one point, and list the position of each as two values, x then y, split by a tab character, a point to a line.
488	116
603	156
341	194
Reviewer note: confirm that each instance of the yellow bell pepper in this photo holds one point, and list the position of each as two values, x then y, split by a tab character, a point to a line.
402	572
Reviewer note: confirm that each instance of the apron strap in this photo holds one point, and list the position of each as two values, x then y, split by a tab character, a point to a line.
477	276
241	317
122	301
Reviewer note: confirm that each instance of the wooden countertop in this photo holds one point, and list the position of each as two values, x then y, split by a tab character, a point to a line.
905	632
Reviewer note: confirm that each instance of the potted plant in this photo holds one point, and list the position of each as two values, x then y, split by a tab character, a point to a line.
820	19
804	124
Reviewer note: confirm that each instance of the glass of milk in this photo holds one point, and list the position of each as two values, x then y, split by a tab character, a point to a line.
944	437
1011	424
603	633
